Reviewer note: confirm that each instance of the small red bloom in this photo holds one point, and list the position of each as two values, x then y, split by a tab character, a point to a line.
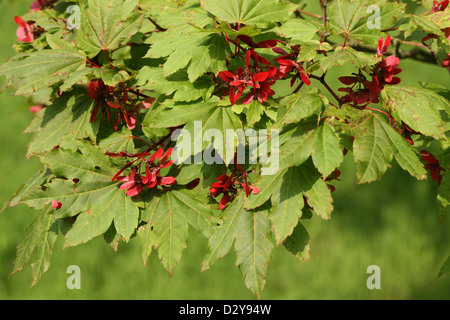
228	186
56	205
151	177
433	166
383	46
36	108
38	5
439	6
24	31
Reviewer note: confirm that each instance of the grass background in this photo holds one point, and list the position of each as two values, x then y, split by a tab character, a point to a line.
392	223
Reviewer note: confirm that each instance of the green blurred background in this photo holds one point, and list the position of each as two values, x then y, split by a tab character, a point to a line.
392	223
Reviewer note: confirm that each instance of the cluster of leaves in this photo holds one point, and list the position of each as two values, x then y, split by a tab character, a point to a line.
111	94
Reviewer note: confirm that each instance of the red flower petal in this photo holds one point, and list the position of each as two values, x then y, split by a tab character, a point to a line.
348	80
167	181
267	44
157	155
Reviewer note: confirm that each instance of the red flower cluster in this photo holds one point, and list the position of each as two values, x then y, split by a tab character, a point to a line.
288	62
433	166
259	76
137	181
363	91
228	186
107	97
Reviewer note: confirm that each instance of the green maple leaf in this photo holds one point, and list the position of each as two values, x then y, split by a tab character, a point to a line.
354	19
30	72
62	123
374	147
327	154
105	24
284	189
178	83
250	233
198	118
86	191
168	215
203	51
418	107
38	244
249	12
298	243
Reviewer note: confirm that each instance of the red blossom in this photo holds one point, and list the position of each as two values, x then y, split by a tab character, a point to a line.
56	205
25	30
228	185
258	76
383	46
363	91
38	5
432	165
151	177
439	6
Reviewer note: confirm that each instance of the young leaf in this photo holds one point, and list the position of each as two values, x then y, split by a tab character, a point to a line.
106	23
418	108
253	248
178	83
327	154
374	147
287	202
41	69
64	121
363	20
298	106
203	51
251	12
39	239
298	243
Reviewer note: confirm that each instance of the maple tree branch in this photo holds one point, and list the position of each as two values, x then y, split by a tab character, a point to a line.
420	52
309	14
325	84
323	4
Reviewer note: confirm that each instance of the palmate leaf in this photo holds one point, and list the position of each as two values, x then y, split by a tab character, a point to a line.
106	23
38	244
298	106
203	51
284	188
287	202
418	107
298	243
37	70
168	215
327	154
353	18
343	55
250	233
249	12
86	191
178	83
200	119
374	147
63	122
